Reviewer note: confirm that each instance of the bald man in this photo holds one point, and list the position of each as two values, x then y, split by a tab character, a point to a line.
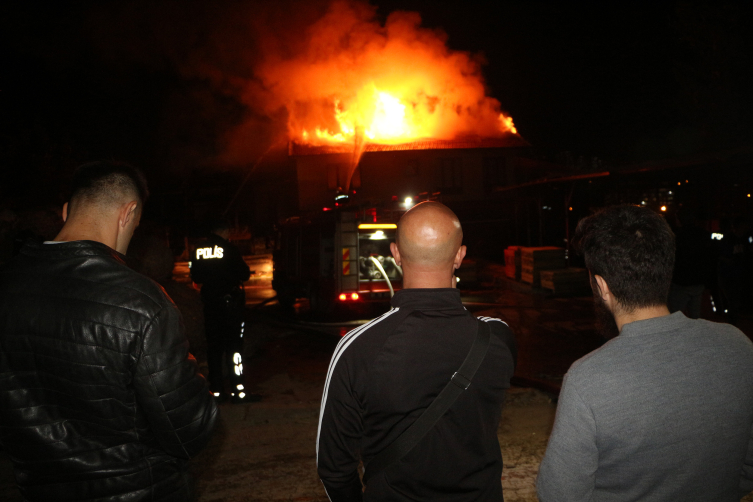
100	399
384	374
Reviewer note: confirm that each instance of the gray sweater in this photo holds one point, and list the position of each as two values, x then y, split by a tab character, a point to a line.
663	412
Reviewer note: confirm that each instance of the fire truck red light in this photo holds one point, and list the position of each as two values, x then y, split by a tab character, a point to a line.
343	297
354	296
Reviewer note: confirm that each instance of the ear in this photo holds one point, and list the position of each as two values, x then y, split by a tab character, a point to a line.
395	253
459	257
603	288
65	212
127	213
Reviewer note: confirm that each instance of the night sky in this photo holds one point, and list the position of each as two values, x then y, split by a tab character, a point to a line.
155	84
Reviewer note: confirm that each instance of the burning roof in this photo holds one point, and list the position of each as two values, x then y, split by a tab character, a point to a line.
510	140
358	85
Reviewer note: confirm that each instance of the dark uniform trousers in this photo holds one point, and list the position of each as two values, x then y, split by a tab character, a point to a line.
220	269
224	325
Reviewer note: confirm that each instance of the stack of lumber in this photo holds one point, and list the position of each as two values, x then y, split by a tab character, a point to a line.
512	262
534	260
567	281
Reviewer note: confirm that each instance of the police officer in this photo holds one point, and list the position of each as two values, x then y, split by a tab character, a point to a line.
219	267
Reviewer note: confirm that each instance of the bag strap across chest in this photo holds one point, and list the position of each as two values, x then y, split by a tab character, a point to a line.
459	382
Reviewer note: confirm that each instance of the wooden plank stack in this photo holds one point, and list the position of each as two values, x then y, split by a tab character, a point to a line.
567	281
534	260
512	262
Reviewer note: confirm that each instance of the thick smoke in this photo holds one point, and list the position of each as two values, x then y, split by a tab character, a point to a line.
348	55
259	73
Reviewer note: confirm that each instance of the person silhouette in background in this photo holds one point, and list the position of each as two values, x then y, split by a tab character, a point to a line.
218	266
734	250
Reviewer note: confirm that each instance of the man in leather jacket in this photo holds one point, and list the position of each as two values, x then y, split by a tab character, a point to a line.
219	267
99	396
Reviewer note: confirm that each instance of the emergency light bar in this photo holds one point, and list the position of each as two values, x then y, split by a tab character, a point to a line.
375	226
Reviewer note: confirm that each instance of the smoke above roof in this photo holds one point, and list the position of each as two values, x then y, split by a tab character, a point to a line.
252	75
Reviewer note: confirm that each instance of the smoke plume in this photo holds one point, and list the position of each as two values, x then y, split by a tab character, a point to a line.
261	73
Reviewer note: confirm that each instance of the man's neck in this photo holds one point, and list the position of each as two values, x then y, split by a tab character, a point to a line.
640	314
427	280
73	231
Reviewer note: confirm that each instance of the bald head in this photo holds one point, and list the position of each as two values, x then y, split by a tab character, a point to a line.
429	234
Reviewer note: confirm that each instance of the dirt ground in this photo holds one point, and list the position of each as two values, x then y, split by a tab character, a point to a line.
266	452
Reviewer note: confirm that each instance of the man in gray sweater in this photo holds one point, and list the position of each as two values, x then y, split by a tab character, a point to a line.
664	411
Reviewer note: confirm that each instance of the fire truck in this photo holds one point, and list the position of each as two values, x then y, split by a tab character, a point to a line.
338	258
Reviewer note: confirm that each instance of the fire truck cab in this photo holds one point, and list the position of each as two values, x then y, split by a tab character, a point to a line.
342	257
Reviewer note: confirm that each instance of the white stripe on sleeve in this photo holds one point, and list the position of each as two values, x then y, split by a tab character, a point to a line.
339	350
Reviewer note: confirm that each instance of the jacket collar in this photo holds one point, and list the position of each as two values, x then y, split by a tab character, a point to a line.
428	299
70	249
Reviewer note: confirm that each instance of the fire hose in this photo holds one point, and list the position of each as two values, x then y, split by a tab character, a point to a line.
384	274
397	267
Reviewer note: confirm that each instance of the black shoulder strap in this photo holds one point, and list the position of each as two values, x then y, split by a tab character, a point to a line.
459	382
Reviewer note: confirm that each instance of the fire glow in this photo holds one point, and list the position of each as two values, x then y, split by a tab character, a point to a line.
358	81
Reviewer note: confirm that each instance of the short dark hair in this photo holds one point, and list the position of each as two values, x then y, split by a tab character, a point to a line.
107	180
633	249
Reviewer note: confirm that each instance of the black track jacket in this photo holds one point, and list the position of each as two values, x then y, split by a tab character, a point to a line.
384	374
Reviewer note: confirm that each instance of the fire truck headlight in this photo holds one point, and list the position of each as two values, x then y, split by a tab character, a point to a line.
354	296
408	201
343	297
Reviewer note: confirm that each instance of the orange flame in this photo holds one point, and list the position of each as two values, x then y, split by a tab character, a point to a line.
359	80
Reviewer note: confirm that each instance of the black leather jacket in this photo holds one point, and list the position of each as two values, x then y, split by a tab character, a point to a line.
99	396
